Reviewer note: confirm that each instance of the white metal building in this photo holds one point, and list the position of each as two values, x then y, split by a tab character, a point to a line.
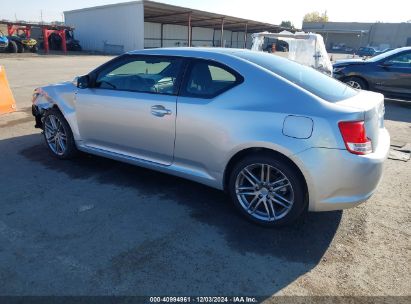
123	27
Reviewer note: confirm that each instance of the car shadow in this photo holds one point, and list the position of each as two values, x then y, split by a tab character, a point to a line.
208	226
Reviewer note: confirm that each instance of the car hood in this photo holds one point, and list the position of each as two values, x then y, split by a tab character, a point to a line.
346	62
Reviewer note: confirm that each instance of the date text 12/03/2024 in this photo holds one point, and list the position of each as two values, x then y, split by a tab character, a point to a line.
203	300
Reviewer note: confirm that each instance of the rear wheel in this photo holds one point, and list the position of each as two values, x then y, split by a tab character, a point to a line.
58	135
356	83
12	48
267	190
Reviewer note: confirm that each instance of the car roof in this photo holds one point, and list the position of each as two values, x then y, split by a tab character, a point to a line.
198	52
184	50
210	53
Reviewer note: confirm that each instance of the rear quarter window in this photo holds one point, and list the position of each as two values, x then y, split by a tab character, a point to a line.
207	79
305	77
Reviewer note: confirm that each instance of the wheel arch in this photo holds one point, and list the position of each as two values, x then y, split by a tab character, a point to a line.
262	151
357	76
50	97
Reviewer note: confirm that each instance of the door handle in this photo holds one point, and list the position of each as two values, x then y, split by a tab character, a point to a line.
160	111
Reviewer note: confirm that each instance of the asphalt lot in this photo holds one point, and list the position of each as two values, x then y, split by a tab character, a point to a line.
93	226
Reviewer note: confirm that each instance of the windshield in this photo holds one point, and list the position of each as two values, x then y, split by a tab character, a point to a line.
383	55
305	77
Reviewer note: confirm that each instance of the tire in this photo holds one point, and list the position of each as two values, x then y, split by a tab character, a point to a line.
12	48
34	49
20	48
356	83
58	135
284	185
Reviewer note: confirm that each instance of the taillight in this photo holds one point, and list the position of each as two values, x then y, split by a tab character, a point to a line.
355	138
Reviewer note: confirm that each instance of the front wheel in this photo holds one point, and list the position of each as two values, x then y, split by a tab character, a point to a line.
356	83
58	135
268	190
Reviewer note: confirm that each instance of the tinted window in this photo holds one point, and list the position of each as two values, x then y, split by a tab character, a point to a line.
383	55
305	77
402	60
149	74
206	79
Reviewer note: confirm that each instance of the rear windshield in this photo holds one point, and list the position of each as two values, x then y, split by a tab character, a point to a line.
307	78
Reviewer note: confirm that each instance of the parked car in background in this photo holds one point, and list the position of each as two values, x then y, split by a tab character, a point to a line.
383	51
4	43
366	51
269	131
304	48
338	48
388	73
7	45
341	48
349	50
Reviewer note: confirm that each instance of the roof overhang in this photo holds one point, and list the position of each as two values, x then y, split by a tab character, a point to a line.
171	14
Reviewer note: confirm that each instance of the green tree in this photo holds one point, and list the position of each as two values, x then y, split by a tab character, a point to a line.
287	24
316	17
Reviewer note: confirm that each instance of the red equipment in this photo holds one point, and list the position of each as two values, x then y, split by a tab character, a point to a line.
46	35
47	30
13	28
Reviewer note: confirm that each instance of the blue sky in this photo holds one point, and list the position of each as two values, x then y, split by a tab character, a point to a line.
271	11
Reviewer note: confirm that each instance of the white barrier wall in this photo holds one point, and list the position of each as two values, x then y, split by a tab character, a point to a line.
120	28
111	28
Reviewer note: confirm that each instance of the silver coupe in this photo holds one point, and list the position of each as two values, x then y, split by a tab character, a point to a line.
280	138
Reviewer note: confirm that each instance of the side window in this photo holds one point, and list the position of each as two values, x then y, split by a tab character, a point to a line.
207	79
402	60
150	74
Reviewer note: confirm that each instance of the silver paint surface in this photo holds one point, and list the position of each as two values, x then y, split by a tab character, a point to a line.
200	136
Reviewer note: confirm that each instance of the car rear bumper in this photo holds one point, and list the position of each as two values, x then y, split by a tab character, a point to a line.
337	179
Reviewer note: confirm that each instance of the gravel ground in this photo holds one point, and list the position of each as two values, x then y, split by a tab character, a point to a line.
99	227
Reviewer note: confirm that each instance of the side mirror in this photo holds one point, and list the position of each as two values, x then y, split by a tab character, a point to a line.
83	82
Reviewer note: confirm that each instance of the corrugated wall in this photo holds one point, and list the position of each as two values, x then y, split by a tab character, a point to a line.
110	29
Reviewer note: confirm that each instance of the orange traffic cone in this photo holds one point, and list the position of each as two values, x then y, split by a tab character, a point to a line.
7	102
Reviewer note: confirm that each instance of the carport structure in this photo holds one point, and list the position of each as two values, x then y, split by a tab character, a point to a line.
161	13
147	24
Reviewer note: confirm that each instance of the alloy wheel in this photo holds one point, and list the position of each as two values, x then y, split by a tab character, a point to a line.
56	136
264	192
354	84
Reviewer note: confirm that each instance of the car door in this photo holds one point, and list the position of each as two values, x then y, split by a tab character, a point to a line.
200	104
394	75
130	108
